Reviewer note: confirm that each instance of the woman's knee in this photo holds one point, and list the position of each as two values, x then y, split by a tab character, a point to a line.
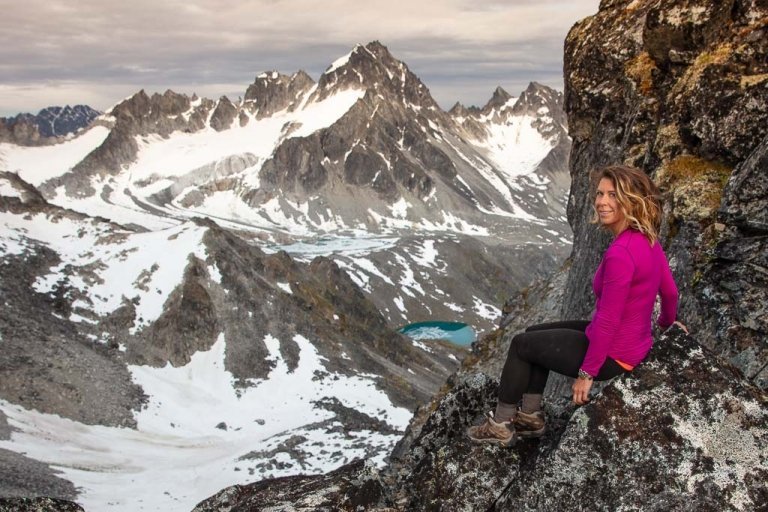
519	344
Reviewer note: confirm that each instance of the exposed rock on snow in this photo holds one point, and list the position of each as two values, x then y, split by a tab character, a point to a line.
352	487
38	505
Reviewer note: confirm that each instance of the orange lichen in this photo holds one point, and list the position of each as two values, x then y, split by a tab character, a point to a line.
640	69
696	185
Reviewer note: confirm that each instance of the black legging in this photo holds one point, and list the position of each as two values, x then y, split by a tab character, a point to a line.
556	346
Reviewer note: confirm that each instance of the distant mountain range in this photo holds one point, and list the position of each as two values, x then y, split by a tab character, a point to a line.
49	122
267	248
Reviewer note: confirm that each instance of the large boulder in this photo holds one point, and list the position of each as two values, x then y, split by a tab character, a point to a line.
352	487
684	431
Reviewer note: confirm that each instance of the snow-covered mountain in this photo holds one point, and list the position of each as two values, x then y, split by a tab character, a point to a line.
222	279
49	122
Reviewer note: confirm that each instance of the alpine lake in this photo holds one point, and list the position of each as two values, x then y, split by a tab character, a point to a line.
455	332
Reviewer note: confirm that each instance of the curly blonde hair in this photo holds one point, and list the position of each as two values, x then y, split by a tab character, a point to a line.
638	197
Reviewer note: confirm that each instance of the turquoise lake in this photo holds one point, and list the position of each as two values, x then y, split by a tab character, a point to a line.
456	332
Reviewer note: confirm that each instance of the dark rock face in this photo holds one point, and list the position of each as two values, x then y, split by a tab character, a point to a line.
442	469
272	92
223	115
372	67
58	121
679	89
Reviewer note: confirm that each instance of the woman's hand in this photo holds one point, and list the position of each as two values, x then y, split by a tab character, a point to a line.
679	324
581	389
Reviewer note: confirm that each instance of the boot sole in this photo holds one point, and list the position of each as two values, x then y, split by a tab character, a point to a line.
531	434
491	440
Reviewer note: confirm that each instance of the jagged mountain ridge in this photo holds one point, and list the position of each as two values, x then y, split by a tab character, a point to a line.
364	148
391	143
50	122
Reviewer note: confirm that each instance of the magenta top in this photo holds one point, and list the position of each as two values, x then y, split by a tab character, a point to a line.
626	284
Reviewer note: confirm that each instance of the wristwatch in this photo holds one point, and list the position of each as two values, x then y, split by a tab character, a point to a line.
584	375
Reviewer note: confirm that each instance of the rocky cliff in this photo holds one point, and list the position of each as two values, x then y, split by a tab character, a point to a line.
680	89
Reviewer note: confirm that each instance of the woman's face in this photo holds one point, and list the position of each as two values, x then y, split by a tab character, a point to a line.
608	210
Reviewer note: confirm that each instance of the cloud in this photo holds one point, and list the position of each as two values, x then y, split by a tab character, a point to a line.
87	50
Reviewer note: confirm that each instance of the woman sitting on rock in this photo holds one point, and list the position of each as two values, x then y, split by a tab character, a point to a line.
633	272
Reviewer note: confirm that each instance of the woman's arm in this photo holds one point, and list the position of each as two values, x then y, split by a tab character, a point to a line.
668	293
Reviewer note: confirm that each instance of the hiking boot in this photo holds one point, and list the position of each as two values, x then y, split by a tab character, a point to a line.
492	432
530	425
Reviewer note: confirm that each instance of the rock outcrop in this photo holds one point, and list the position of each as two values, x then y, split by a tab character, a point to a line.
38	505
680	89
355	486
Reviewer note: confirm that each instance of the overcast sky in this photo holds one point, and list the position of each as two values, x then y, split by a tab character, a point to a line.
57	52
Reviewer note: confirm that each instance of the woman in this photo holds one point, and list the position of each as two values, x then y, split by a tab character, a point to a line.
634	270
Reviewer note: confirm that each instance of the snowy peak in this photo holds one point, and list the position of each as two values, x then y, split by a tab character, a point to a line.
541	105
537	96
499	101
546	106
460	111
142	106
372	67
58	121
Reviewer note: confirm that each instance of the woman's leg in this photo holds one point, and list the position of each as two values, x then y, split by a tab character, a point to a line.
533	354
540	374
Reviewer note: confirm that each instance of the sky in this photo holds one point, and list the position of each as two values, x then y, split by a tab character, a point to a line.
97	52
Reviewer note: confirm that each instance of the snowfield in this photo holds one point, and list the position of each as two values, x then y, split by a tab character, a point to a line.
194	435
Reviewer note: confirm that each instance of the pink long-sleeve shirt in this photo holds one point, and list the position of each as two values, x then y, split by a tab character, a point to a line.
626	284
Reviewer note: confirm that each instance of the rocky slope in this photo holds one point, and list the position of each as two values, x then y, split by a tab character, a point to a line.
76	343
700	451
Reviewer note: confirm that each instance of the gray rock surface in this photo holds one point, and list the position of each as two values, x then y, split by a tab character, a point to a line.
22	477
47	363
272	92
350	488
